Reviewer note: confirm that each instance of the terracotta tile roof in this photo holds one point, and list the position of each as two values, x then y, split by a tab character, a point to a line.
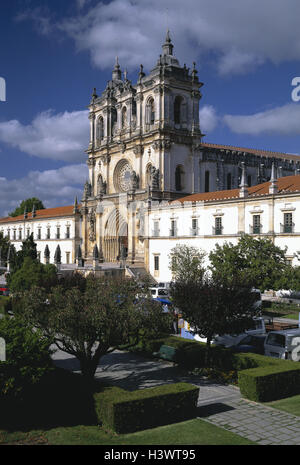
285	184
45	213
264	153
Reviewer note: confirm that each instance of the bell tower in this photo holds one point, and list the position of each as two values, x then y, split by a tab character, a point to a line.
144	145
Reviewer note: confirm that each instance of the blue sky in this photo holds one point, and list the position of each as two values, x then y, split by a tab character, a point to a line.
53	52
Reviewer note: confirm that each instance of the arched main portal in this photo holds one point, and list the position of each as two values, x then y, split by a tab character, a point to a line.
115	236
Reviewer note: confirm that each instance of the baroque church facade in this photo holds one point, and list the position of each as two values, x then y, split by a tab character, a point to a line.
146	145
146	150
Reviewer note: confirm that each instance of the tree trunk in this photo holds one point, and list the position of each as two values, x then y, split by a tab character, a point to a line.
88	368
208	352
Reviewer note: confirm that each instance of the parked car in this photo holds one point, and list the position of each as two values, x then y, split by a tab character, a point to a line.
283	344
251	343
159	292
230	340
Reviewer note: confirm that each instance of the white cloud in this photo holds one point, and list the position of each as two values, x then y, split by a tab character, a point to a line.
41	18
208	118
54	187
62	136
236	62
82	3
241	35
282	120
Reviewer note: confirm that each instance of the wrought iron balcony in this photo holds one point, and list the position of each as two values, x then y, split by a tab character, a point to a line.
257	229
173	232
194	231
287	228
217	231
155	232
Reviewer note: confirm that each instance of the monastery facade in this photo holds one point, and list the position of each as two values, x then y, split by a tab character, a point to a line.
146	151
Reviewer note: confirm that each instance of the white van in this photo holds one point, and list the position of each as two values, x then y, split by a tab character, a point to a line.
283	344
161	292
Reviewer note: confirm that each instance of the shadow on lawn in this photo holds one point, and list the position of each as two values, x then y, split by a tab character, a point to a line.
60	399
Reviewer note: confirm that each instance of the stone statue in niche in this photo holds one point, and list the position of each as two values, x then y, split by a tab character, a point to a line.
134	180
154	177
101	185
92	225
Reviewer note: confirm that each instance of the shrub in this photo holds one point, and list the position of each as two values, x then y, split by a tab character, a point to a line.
27	357
267	383
126	412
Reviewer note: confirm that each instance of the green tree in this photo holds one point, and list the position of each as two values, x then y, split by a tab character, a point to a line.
186	263
28	249
28	357
93	320
28	206
257	261
32	273
4	246
214	305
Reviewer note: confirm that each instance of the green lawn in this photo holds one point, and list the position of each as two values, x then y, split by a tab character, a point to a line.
191	432
292	316
289	405
281	310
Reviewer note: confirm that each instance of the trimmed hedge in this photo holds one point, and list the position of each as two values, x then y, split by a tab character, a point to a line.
125	412
260	378
273	382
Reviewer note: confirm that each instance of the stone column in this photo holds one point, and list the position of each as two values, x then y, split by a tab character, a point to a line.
139	111
92	129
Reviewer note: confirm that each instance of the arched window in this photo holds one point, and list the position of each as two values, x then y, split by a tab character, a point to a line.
206	187
100	128
114	117
177	110
124	117
150	111
148	175
179	178
229	181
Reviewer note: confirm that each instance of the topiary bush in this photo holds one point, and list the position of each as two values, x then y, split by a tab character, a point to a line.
126	412
272	382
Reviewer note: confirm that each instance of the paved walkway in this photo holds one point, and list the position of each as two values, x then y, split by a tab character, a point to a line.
218	404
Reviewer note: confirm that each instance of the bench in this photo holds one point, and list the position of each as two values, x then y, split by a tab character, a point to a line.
166	352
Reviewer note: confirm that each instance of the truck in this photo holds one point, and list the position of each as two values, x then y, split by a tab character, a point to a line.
284	344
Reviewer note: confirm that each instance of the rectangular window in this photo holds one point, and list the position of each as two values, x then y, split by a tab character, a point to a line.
28	233
156	262
39	233
15	235
68	232
194	230
8	234
67	258
155	228
218	225
57	233
288	222
20	234
256	224
206	186
173	230
48	233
